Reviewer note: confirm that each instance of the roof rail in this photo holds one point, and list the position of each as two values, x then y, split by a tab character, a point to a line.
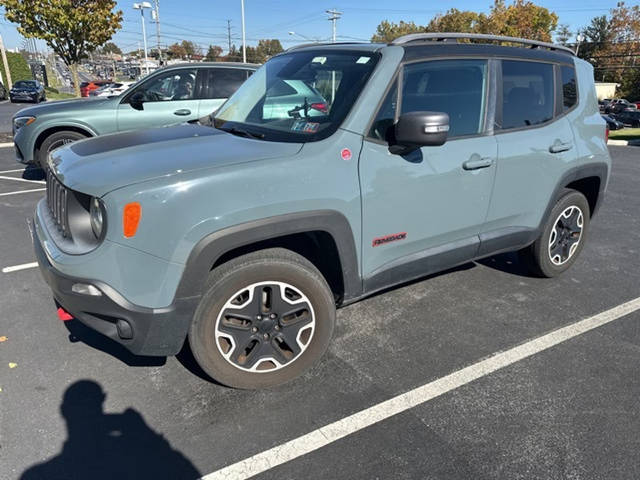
320	44
440	37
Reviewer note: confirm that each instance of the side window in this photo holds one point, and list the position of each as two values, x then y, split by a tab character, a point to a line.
569	88
226	81
456	87
386	115
172	85
527	93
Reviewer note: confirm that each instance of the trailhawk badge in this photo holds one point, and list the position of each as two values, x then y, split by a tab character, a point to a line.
388	238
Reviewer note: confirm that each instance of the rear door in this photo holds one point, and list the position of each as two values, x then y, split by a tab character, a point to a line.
535	144
169	98
218	84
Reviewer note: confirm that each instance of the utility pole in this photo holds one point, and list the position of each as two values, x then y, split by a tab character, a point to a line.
244	40
334	16
141	6
156	14
6	64
229	33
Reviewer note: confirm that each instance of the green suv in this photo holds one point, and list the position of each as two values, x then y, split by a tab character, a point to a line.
171	95
243	237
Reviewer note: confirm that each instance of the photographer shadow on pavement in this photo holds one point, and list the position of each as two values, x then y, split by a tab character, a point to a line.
103	446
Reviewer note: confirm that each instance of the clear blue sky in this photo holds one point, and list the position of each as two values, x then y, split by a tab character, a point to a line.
205	21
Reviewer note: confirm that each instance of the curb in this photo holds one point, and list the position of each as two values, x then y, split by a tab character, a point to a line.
618	143
5	145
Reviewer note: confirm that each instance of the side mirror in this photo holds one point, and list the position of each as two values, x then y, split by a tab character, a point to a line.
420	129
137	101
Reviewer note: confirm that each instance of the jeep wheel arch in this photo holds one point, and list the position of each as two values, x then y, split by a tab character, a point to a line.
214	246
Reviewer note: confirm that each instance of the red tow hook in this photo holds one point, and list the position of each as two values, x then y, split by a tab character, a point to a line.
64	315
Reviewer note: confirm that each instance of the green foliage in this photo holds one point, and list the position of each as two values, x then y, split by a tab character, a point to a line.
522	18
214	53
563	34
110	48
17	66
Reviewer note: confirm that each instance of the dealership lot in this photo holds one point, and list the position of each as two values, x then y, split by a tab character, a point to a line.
569	411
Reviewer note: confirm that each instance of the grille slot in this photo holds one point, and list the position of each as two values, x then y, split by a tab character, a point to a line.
57	197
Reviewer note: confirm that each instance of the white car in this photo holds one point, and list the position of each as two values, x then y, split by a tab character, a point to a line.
109	89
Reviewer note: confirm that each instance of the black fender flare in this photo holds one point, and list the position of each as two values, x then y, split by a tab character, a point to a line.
210	248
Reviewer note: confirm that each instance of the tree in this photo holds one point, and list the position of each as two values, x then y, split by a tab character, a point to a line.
520	19
214	53
176	51
71	28
111	48
563	34
267	49
190	48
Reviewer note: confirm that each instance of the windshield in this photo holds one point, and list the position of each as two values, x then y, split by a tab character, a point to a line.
297	97
25	84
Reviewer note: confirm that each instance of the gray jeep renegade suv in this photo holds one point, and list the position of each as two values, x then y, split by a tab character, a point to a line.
244	236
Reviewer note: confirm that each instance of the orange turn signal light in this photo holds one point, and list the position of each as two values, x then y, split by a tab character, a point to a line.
131	218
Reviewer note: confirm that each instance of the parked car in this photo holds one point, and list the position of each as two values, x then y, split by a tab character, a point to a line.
27	91
289	98
243	238
629	117
115	88
3	92
176	94
612	123
619	105
88	87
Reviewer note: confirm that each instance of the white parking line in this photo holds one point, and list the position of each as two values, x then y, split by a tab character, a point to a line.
316	439
21	179
17	268
11	171
6	144
23	191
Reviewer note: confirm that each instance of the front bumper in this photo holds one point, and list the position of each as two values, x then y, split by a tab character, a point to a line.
142	330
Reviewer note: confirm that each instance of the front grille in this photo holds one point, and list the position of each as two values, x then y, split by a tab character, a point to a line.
57	202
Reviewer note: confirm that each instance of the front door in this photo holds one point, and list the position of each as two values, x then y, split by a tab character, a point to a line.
423	211
168	98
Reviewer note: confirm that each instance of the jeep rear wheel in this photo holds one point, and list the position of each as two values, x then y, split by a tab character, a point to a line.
265	318
53	141
562	238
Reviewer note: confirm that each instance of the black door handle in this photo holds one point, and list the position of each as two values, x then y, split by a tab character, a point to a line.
182	111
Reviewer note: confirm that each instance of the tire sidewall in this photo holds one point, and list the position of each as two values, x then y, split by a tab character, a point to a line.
571	198
51	139
202	332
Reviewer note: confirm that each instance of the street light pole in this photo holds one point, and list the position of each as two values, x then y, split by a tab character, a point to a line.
579	39
244	40
141	7
334	15
156	12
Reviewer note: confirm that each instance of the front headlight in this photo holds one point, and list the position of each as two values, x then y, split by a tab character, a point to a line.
96	215
20	122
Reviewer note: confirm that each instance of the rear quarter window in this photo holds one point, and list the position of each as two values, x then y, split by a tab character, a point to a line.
569	87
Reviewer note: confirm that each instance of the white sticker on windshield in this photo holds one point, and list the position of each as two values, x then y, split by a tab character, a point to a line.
363	59
319	60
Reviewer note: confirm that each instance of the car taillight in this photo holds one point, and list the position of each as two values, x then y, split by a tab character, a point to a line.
606	133
320	106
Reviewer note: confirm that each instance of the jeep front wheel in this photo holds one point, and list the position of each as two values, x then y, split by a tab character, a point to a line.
265	318
562	238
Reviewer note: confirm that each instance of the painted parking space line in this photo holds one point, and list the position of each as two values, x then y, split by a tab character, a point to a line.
2	177
332	432
17	268
22	191
6	144
12	171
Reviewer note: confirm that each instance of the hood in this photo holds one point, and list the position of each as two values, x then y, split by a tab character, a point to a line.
58	106
99	165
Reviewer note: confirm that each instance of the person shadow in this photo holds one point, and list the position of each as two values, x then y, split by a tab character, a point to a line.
103	446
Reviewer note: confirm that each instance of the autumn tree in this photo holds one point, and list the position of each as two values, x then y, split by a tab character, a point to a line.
213	53
190	48
522	18
71	28
111	48
176	51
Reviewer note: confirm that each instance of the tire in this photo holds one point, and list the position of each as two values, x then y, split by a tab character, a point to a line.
567	225
54	141
283	336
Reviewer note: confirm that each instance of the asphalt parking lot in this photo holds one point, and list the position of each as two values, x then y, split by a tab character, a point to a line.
76	406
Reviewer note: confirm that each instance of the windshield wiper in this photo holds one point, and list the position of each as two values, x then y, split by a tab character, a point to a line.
243	133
